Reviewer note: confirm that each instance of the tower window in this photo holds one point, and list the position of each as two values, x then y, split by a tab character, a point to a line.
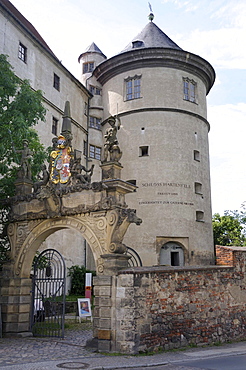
88	67
95	152
86	108
143	151
197	155
133	87
22	53
85	148
199	216
56	82
54	126
95	122
198	188
95	90
189	90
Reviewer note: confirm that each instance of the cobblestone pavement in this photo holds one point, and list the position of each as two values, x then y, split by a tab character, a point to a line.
33	349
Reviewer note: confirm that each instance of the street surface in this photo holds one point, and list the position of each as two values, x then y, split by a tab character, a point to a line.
32	353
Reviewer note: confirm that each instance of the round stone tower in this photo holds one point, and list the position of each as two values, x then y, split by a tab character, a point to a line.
158	91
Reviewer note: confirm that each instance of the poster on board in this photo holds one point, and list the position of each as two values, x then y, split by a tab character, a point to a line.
84	308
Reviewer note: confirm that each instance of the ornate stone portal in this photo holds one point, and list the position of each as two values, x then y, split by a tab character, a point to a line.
64	198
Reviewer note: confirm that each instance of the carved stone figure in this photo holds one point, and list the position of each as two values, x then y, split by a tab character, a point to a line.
43	179
111	147
25	165
77	169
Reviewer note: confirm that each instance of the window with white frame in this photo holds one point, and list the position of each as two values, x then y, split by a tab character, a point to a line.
133	87
95	122
22	52
95	90
189	90
88	67
95	152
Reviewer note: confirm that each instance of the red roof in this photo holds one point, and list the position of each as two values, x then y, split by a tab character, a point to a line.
11	9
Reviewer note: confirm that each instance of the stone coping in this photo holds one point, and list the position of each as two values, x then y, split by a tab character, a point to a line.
159	269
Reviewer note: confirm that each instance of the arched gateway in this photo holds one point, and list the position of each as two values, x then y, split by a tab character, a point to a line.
64	199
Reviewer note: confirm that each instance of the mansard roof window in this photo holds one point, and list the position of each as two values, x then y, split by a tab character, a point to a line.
137	44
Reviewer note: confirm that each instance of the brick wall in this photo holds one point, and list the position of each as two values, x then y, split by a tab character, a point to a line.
171	307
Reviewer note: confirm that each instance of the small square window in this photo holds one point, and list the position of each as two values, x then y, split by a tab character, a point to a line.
22	53
54	126
197	155
143	151
56	82
199	216
198	188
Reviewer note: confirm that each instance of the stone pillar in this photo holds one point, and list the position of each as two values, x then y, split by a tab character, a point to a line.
111	170
15	301
23	186
104	314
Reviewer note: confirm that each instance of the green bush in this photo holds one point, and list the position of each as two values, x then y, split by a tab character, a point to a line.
77	274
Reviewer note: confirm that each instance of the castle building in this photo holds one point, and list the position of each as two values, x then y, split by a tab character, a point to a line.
158	92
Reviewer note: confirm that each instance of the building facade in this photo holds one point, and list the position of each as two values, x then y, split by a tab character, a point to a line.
32	59
158	92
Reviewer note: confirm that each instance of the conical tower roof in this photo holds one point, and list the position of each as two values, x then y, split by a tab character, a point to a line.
93	48
151	37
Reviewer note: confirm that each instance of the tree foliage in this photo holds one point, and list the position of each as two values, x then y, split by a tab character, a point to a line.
77	274
230	229
20	109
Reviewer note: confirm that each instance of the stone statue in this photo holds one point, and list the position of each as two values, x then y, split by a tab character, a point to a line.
77	169
43	180
111	147
25	165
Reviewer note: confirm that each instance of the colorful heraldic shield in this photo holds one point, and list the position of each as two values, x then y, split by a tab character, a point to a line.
60	162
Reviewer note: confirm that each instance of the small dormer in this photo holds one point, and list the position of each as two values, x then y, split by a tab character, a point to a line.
137	44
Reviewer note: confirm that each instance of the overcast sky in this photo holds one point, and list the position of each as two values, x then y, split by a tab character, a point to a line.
213	29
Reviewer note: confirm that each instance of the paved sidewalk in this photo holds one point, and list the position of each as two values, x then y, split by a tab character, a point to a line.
70	353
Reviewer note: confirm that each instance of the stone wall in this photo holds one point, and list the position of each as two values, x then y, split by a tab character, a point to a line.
171	307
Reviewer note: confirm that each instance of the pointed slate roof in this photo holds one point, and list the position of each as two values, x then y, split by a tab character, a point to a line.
151	37
93	48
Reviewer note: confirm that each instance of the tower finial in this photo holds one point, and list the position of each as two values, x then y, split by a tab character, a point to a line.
151	15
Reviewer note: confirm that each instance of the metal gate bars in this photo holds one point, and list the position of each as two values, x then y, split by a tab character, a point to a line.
48	295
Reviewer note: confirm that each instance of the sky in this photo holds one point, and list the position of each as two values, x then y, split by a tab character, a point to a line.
212	29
